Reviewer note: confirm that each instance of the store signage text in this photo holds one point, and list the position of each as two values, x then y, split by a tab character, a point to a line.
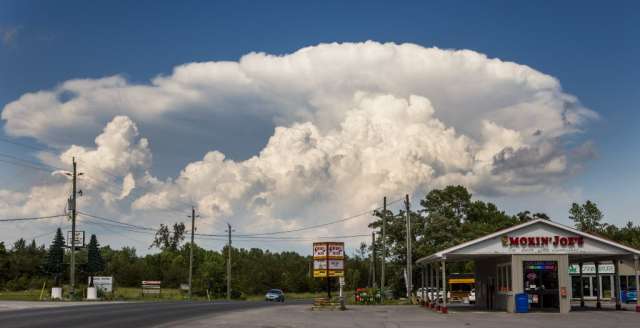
556	241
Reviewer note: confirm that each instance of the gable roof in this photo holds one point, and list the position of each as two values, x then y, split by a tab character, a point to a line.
443	253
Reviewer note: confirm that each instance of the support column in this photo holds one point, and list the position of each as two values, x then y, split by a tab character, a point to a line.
636	261
437	296
581	287
616	283
599	286
444	287
422	293
432	303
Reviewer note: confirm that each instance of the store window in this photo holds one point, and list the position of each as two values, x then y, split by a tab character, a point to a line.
504	277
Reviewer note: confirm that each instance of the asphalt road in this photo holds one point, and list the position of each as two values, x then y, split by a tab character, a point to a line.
123	315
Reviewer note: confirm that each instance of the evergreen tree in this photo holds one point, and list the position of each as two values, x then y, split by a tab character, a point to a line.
95	263
55	258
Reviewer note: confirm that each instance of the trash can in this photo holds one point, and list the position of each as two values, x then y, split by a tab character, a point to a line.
522	303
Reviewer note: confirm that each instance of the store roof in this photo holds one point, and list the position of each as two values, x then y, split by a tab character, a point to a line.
494	244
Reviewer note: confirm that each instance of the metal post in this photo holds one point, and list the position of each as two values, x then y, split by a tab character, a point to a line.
616	283
437	296
581	287
444	286
432	287
599	289
421	285
636	261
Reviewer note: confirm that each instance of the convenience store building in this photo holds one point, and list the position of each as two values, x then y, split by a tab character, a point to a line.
549	262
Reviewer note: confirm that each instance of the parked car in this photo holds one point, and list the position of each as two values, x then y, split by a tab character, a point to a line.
275	295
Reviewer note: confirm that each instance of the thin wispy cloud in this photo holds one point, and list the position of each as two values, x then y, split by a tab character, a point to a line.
9	34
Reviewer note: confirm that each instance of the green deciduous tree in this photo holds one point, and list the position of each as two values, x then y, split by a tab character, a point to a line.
169	240
587	217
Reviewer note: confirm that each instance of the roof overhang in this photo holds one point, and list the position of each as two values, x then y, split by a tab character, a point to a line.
490	245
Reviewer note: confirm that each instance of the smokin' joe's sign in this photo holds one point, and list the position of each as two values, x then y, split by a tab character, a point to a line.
540	241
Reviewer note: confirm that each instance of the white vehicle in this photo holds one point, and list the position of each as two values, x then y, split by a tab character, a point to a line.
472	296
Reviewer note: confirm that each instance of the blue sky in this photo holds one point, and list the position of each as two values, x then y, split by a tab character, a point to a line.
591	47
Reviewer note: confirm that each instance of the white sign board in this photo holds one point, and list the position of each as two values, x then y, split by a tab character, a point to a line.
79	239
336	250
341	281
103	283
320	264
336	264
591	268
320	250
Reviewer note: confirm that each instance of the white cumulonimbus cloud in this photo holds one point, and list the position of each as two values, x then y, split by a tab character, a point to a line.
353	122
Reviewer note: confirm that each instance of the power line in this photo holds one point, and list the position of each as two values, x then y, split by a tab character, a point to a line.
116	221
317	225
26	166
22	145
33	218
148	230
30	162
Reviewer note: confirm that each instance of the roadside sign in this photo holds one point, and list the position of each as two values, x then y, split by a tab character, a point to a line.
151	287
336	250
79	240
328	259
103	283
319	250
341	281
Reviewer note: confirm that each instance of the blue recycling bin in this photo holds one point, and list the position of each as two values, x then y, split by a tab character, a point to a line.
522	303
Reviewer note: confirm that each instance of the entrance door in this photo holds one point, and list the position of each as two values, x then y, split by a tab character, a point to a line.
541	283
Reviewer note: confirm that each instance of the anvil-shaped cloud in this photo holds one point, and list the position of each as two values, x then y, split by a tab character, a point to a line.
353	122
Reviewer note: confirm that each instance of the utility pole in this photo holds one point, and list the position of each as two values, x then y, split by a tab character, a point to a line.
72	271
229	264
193	228
372	276
409	258
384	246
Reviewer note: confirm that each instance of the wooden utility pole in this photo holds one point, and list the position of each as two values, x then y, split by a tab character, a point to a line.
372	276
384	247
193	228
72	272
409	257
229	264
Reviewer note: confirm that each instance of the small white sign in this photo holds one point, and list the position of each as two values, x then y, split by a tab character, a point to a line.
79	240
320	264
341	281
336	264
103	283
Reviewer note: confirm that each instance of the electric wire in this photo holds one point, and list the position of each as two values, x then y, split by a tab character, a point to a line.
33	218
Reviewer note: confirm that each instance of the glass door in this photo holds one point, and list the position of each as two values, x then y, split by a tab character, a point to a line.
541	283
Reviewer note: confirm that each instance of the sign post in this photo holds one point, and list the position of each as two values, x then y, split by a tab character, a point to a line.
328	262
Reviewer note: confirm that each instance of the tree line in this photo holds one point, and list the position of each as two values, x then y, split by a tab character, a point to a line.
444	218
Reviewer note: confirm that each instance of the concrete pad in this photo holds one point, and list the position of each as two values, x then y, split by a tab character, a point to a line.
407	317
